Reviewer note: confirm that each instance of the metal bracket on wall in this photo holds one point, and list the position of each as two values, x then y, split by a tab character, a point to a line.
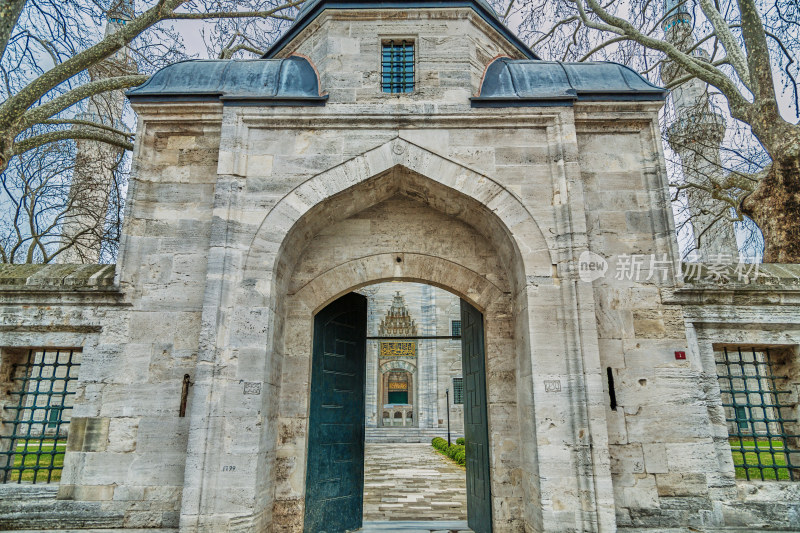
184	395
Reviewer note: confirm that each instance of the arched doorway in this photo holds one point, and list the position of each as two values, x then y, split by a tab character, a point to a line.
478	265
396	392
335	453
401	212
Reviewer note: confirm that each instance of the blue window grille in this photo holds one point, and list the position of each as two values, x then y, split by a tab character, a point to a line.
397	67
760	412
455	328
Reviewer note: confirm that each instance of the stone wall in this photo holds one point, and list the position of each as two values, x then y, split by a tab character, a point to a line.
78	307
451	46
747	306
139	331
244	221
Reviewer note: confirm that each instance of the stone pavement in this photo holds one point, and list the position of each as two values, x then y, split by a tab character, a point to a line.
412	482
417	526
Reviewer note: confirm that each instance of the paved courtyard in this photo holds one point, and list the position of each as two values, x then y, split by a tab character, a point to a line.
412	482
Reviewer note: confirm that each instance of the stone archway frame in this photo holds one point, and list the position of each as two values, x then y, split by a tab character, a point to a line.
377	268
243	310
493	302
511	217
398	365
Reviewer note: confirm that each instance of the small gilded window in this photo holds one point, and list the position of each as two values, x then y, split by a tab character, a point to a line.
397	66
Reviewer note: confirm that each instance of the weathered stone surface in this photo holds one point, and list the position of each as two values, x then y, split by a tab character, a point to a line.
244	221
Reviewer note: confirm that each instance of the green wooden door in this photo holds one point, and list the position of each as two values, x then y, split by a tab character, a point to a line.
476	427
335	469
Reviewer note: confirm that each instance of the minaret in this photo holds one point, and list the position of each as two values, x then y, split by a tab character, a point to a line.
93	174
696	136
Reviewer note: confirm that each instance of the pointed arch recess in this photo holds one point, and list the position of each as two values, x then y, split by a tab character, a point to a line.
432	179
398	365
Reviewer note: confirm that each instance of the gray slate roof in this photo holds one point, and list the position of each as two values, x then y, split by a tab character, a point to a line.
312	8
290	81
294	81
509	82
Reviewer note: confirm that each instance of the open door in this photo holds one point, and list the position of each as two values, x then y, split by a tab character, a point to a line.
335	468
476	427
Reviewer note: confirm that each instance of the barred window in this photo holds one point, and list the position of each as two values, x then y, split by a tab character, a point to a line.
758	407
455	328
458	391
34	440
397	66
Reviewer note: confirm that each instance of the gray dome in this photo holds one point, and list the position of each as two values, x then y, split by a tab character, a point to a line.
289	81
508	82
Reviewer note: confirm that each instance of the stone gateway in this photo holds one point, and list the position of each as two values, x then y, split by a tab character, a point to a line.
415	141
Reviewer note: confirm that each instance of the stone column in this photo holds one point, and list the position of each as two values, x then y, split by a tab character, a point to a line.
373	403
427	411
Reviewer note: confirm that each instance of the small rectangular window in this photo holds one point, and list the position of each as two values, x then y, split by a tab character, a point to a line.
54	417
455	328
42	395
759	410
741	418
458	391
397	66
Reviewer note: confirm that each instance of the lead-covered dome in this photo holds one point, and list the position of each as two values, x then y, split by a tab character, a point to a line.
289	81
519	82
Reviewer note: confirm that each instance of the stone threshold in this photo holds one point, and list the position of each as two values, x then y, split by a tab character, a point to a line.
416	526
703	529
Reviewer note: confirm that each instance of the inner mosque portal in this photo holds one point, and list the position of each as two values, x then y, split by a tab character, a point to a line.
413	366
413	379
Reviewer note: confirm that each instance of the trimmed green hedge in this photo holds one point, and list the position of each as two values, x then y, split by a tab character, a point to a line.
456	452
460	441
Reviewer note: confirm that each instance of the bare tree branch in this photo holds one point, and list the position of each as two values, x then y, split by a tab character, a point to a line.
60	135
56	105
10	10
89	123
736	56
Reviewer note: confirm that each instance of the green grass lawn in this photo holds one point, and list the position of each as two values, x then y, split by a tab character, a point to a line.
749	452
52	452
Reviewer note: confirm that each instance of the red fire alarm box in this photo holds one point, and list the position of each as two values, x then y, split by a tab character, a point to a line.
680	355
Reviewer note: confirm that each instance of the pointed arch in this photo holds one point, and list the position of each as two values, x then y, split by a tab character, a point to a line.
398	365
489	207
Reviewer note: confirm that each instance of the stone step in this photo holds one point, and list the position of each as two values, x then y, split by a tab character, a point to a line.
92	530
416	526
406	435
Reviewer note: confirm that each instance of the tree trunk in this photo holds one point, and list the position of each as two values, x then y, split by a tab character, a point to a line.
775	207
10	11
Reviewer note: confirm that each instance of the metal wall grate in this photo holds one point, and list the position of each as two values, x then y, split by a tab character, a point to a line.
758	413
397	67
41	399
458	391
455	328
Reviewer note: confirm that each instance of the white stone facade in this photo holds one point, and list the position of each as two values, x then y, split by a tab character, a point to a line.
244	221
